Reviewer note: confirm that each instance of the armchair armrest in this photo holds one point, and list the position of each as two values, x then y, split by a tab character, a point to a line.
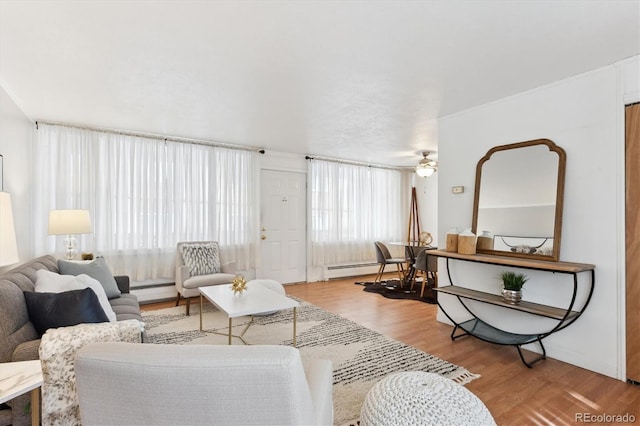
123	283
182	273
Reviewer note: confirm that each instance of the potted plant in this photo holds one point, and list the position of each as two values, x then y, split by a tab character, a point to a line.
512	284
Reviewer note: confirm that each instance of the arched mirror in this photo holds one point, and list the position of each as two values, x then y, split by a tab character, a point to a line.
518	200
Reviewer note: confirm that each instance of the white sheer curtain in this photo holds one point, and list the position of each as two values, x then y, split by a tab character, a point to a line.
145	195
353	206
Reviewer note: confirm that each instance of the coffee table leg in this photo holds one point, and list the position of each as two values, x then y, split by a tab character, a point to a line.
230	325
201	311
295	318
35	406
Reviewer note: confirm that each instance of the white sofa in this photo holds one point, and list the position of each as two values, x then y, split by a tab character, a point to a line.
143	384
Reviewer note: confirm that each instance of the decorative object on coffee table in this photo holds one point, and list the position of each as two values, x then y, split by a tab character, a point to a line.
512	283
239	284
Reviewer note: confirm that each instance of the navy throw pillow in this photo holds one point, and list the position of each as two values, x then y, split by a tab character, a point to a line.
53	310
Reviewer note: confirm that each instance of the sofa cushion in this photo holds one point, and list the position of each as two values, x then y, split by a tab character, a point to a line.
201	258
206	280
53	310
97	269
126	307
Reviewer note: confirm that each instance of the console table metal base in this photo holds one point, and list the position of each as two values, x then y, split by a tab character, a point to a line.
483	331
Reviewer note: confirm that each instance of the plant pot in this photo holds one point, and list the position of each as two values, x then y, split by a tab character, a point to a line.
512	296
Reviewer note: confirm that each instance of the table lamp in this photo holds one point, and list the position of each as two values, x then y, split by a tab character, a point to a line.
69	223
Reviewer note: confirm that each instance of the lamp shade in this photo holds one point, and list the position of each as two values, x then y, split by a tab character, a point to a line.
8	246
68	222
425	171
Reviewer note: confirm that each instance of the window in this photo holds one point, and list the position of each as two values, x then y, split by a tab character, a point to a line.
145	195
353	206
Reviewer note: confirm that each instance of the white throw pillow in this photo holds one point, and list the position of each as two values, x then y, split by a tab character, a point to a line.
201	258
50	282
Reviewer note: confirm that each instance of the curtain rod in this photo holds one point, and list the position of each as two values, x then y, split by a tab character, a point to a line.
159	137
358	163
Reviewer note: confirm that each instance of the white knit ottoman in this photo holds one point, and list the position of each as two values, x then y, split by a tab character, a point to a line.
271	285
419	398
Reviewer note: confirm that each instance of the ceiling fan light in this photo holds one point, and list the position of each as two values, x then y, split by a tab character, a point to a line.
424	171
426	167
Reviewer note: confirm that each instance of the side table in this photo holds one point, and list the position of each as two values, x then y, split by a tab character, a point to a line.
17	378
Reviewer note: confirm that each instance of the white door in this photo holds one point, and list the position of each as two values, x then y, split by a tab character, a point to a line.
283	243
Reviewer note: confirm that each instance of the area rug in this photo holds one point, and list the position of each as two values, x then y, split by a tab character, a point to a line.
392	289
360	356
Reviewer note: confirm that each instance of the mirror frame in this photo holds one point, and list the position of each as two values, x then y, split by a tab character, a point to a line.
557	231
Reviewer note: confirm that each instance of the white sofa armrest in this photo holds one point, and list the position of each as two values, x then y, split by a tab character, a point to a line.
319	373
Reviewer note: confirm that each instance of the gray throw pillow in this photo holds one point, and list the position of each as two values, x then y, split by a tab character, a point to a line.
97	269
201	258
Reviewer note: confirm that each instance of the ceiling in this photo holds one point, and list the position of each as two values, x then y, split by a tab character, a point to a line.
358	80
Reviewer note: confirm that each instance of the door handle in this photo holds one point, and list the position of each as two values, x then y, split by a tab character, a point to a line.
263	237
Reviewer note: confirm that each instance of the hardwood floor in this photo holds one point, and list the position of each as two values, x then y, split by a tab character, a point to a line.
551	393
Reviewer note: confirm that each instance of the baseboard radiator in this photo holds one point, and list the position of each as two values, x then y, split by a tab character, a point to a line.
350	270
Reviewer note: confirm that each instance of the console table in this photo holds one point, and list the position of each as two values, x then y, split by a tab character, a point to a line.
484	331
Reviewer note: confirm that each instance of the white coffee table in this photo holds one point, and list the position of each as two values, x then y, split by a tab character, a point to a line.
255	300
21	377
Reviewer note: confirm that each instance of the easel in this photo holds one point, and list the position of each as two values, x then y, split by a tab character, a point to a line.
413	233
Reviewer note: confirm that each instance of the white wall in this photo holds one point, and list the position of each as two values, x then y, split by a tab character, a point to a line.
582	115
16	141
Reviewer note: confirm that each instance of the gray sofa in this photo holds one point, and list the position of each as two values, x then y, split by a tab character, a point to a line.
19	340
